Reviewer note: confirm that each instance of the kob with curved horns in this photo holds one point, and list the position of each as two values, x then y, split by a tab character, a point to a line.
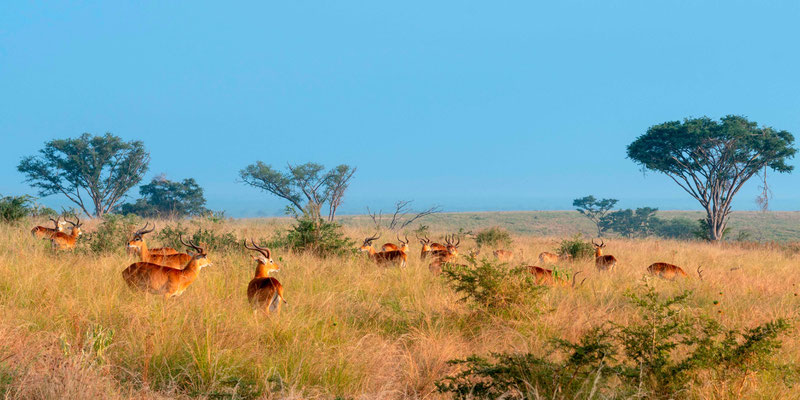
41	232
264	292
62	241
384	257
166	281
137	243
603	263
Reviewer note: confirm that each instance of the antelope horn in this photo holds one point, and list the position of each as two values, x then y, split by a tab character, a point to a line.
258	249
145	231
700	272
573	279
458	242
190	244
55	221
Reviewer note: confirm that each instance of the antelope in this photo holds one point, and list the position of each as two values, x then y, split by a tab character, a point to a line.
176	261
264	292
391	246
62	241
384	257
450	251
426	247
169	282
545	276
503	255
136	244
670	271
551	258
436	266
438	246
40	232
602	262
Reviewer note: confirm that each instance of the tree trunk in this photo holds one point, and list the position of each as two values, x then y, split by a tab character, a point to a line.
717	222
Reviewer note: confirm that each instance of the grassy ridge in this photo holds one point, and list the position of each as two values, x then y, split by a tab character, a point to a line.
69	327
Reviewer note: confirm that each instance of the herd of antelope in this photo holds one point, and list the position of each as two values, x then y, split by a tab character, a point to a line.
166	271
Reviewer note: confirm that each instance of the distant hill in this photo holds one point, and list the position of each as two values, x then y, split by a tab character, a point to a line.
749	225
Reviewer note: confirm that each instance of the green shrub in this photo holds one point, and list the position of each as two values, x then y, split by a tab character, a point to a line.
113	234
15	208
702	231
493	237
491	285
577	247
209	239
569	371
657	356
320	237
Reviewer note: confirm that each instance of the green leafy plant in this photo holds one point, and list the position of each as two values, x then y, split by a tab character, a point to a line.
630	223
113	234
493	237
577	247
15	208
491	285
320	237
209	239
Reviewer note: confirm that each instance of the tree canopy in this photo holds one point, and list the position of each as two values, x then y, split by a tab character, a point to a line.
163	197
102	168
307	186
711	160
594	209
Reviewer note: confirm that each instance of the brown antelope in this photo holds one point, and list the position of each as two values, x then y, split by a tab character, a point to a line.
450	251
391	246
264	292
670	271
546	257
41	232
503	255
62	241
169	282
426	247
384	257
603	263
136	244
438	246
545	276
177	261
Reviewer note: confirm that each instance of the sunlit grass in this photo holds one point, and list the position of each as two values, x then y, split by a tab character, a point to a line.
351	329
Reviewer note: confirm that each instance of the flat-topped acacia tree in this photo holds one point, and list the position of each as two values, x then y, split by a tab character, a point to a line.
712	160
93	172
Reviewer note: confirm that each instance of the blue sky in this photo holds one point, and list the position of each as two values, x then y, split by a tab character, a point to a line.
512	105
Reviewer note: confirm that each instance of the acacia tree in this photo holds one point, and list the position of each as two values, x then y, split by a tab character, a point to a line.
103	168
307	187
594	209
712	160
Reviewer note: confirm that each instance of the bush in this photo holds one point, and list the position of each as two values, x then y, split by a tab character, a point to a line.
582	370
113	233
15	208
491	285
577	247
493	237
207	238
320	237
630	223
661	354
702	231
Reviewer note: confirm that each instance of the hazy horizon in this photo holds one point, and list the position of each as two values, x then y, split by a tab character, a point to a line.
470	106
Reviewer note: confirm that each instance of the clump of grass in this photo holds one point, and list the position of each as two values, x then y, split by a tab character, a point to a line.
577	247
493	237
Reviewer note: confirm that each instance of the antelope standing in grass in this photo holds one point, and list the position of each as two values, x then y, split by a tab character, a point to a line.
384	257
546	257
391	246
166	281
670	271
545	276
503	255
426	247
62	241
41	232
177	261
136	244
264	292
449	252
438	246
603	263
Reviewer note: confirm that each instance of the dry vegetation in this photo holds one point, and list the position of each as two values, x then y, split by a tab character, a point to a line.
69	326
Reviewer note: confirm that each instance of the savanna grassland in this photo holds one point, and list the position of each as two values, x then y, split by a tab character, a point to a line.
71	328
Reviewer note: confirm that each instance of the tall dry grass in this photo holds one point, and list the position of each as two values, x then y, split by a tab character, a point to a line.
70	327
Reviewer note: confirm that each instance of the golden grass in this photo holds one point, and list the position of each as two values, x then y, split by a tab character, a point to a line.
70	327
